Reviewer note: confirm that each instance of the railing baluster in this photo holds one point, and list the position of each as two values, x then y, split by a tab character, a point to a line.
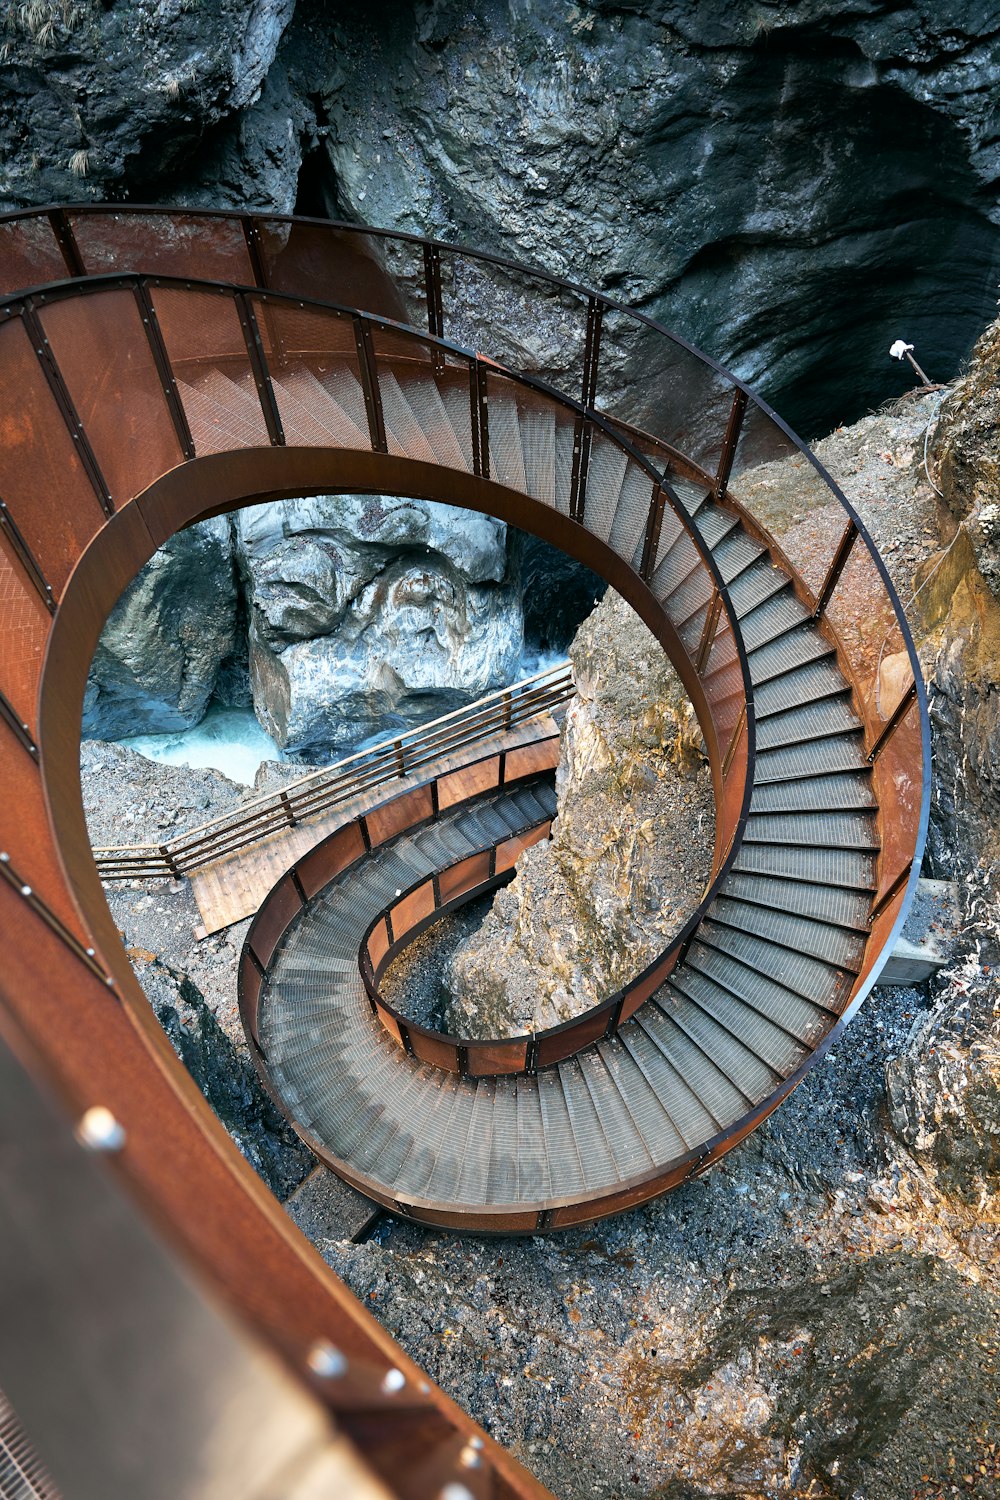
66	240
261	374
837	567
26	558
729	442
164	369
369	384
892	723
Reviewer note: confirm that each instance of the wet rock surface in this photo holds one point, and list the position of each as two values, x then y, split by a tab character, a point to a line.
158	661
630	852
367	611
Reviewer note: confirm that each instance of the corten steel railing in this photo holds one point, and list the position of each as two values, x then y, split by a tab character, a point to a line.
414	909
311	796
624	365
173	331
99	424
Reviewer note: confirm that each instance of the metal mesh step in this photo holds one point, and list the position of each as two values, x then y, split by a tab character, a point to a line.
706	1080
691	1121
840	830
837	945
770	971
841	867
771	657
760	582
809	684
748	1023
628	532
848	789
746	1072
404	434
811	721
506	457
736	552
815	758
341	383
538	447
657	1132
432	410
624	1138
772	619
596	1159
605	475
842	908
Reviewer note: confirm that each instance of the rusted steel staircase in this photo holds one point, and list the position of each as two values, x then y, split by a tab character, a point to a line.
163	366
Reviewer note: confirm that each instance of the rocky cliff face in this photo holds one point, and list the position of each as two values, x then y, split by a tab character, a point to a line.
792	185
160	654
336	616
630	852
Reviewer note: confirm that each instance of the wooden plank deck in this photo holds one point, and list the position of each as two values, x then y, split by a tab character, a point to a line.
232	888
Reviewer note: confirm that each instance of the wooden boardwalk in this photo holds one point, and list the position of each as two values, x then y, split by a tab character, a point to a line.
234	887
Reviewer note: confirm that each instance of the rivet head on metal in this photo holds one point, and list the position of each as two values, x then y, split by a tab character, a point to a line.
326	1360
26	890
393	1381
91	952
469	1458
98	1130
454	1491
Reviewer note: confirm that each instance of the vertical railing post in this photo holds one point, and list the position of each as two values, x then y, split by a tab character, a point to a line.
654	522
397	750
166	855
287	809
479	415
591	352
729	442
507	712
369	384
259	369
582	433
164	369
836	567
708	633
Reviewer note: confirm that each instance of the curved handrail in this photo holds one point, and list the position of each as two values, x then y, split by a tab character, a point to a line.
730	745
826	576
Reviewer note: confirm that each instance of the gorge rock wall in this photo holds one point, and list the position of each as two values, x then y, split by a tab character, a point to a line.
790	185
336	616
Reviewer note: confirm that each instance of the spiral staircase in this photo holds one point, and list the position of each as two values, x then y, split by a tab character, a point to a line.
159	366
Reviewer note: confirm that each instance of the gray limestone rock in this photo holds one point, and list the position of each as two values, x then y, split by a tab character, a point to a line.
366	611
160	653
630	853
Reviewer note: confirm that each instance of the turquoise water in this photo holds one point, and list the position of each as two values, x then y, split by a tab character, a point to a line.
228	740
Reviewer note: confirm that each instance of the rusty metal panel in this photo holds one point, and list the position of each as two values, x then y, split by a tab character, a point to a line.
115	387
390	1023
200	246
402	812
464	876
412	909
469	781
39	461
528	760
378	943
29	254
282	906
329	858
508	853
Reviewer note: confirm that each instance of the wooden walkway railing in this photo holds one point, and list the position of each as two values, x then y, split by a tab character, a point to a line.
312	795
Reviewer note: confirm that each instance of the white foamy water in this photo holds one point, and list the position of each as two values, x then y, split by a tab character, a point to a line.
228	740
